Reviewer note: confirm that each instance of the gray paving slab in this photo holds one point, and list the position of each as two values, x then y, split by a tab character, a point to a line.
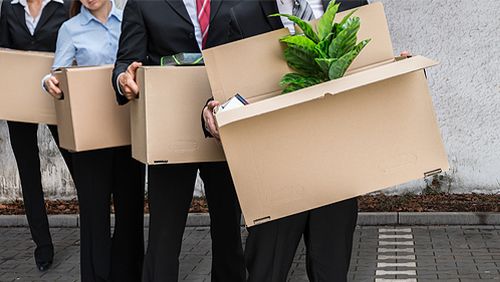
437	253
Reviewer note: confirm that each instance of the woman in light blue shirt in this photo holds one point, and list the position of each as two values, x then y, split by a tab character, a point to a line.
90	38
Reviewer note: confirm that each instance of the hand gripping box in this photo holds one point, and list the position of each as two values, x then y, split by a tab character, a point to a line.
88	116
166	117
372	129
22	97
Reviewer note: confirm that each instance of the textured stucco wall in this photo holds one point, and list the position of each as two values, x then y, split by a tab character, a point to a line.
462	35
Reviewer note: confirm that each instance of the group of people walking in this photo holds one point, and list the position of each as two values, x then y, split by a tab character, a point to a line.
95	32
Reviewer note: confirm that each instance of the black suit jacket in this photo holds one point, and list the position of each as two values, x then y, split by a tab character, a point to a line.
14	33
153	29
250	17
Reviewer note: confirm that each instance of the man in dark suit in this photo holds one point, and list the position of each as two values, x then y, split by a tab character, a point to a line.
328	231
33	31
150	30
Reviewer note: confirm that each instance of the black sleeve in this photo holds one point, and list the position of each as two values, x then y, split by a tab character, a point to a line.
205	131
234	34
133	43
5	39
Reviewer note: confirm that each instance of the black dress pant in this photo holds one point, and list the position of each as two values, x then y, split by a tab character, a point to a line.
328	233
23	138
101	176
170	189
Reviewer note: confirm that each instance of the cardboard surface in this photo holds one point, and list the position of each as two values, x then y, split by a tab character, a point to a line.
259	59
89	117
22	96
166	118
372	129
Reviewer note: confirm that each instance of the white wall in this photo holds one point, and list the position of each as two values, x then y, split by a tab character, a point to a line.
462	35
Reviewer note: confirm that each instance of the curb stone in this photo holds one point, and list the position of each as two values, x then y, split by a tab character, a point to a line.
364	219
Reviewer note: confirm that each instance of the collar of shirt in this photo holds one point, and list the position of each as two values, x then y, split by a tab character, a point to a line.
192	11
87	17
286	7
25	2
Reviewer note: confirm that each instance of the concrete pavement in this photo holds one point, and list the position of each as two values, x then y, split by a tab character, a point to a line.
381	253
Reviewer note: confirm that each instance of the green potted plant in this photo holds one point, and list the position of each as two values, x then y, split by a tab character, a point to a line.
322	53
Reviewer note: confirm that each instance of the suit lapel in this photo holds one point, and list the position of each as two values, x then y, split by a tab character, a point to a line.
47	12
180	9
270	7
325	4
214	8
20	15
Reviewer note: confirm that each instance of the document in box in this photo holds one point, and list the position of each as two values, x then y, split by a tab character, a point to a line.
235	102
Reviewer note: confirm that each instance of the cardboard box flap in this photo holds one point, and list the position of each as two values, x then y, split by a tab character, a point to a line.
49	55
333	87
253	66
85	68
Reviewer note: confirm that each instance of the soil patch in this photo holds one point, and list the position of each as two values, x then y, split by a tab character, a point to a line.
372	203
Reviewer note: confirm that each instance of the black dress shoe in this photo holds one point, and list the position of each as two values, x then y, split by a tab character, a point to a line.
43	266
43	257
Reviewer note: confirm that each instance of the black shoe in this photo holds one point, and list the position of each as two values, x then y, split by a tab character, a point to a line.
43	257
43	266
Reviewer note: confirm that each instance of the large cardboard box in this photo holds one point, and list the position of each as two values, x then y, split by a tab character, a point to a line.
88	116
369	130
22	97
166	118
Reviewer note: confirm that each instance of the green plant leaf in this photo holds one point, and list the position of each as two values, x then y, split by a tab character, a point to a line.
341	25
340	66
325	23
324	64
301	41
294	81
323	45
301	60
304	26
346	39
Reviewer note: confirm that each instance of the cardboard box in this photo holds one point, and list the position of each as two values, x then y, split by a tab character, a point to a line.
166	118
88	116
22	97
372	129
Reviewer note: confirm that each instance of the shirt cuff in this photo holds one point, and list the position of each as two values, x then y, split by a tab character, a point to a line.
118	83
43	83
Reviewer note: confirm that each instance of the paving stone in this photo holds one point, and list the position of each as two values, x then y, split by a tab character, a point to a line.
441	253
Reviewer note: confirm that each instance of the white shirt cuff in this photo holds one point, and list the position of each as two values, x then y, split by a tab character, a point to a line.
43	83
118	83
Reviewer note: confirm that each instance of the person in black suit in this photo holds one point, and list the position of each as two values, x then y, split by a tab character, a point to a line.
35	30
328	231
150	30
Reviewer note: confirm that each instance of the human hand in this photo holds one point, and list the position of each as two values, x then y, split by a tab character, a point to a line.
405	54
51	84
208	117
127	81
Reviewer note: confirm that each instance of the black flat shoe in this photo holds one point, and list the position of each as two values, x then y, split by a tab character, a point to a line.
43	257
43	266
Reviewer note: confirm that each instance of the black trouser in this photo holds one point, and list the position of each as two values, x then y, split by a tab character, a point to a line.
102	175
23	138
170	189
328	233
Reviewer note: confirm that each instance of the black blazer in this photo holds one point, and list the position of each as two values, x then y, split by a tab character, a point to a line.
250	17
153	29
14	33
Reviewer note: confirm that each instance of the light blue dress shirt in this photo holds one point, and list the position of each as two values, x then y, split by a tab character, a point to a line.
87	41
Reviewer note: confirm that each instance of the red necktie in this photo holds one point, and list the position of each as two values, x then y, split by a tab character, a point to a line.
203	9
